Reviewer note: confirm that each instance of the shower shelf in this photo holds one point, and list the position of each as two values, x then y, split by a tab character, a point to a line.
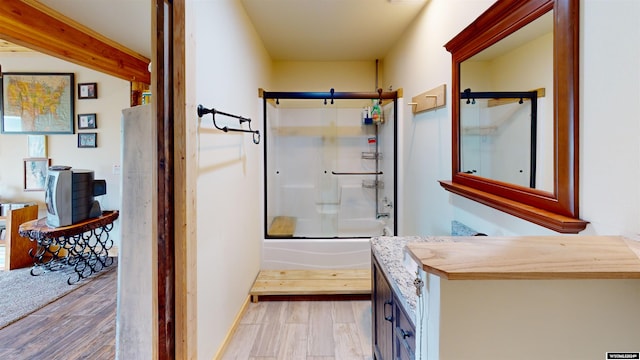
372	184
370	155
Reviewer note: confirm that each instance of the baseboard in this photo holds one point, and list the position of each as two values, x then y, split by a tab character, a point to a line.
232	330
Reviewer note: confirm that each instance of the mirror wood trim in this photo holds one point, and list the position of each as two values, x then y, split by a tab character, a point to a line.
558	210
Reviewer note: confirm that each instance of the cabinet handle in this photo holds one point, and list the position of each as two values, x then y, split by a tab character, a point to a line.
388	317
405	334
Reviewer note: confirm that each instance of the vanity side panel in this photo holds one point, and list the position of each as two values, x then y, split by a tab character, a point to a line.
428	319
538	319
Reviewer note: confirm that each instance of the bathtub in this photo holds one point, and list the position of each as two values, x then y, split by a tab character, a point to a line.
352	250
332	226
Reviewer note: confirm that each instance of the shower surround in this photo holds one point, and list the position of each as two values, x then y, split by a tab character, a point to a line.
330	171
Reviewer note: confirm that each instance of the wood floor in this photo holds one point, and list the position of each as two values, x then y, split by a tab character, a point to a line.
80	325
310	330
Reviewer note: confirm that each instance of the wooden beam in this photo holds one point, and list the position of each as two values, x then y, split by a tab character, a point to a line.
33	25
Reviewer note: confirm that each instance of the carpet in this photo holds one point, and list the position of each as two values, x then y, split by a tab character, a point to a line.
21	293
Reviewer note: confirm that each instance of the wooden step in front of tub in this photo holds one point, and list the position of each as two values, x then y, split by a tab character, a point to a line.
312	282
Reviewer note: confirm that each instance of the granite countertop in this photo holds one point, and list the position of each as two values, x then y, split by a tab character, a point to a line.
389	250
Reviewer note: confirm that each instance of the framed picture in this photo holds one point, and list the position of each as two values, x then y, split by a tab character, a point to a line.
37	146
87	140
35	173
37	103
87	121
88	91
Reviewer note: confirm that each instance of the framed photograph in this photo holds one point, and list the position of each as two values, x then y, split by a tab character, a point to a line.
35	173
88	91
37	103
37	146
87	121
87	140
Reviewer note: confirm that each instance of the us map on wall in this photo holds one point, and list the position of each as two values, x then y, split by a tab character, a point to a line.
37	103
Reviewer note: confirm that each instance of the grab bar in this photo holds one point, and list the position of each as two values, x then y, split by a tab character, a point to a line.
356	173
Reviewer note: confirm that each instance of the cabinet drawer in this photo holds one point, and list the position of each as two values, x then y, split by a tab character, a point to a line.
405	332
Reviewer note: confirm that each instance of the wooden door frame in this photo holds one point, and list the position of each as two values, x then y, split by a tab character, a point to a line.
29	23
165	216
176	335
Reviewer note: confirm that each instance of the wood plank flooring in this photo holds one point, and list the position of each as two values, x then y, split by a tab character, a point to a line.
80	325
303	330
312	282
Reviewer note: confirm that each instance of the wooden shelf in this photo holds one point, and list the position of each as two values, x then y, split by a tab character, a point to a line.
429	100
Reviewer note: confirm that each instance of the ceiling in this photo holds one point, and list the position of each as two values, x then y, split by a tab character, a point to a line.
330	30
294	30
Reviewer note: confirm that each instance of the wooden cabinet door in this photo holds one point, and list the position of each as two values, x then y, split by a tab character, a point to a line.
382	305
404	334
404	354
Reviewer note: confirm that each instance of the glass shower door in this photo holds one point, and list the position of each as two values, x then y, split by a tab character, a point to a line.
326	185
322	170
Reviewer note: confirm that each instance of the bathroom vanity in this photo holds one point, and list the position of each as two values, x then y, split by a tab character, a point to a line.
394	297
552	297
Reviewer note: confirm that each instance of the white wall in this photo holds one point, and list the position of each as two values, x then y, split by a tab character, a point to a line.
609	146
226	64
342	76
418	63
113	96
609	103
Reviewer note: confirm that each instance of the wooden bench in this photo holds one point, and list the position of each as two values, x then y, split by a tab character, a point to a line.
282	226
311	282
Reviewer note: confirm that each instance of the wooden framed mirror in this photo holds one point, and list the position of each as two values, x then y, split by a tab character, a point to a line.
556	205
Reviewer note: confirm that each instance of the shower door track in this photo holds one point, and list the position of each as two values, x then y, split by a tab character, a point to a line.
382	95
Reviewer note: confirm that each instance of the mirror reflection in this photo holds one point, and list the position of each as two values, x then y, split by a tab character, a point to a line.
499	133
503	135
